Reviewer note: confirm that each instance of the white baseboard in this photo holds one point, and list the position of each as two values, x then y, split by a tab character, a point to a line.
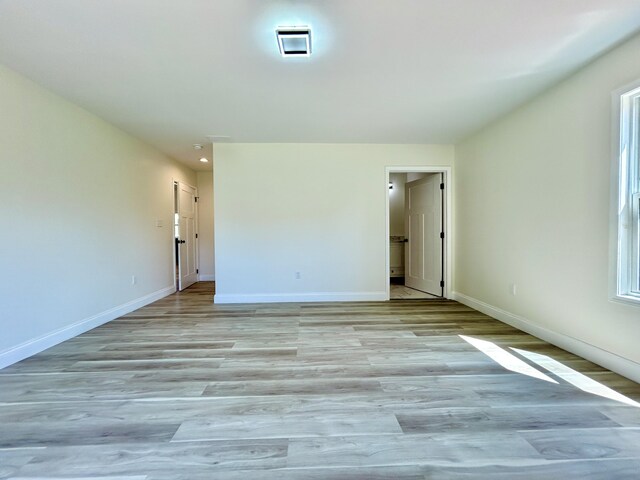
301	297
615	363
36	345
206	278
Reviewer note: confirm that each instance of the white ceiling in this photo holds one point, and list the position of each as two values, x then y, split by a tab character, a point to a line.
382	71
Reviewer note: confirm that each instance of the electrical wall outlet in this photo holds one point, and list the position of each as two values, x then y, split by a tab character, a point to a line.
297	275
514	289
134	280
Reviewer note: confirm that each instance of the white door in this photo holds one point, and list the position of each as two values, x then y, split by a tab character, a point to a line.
187	262
423	224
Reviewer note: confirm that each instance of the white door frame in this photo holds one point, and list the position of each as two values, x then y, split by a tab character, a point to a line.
448	239
175	181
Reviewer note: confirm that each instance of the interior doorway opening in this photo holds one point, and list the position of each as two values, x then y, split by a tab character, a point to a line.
176	237
185	236
417	233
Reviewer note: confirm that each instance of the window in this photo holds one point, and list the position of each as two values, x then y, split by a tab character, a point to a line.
628	201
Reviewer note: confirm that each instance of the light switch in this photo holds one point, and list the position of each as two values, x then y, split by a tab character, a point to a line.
159	223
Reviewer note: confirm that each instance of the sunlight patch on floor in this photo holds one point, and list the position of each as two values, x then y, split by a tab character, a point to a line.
506	359
575	378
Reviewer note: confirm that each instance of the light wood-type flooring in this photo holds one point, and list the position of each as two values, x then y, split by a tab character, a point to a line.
184	389
401	292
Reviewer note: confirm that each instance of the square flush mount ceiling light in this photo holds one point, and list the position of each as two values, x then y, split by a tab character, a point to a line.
294	41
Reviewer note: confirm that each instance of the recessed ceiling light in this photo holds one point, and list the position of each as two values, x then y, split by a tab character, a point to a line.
294	41
197	146
204	160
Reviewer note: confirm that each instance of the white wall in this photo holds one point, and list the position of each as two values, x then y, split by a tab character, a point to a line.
532	208
80	200
396	204
317	209
206	263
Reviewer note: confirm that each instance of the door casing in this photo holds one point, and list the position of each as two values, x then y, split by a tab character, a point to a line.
176	183
448	223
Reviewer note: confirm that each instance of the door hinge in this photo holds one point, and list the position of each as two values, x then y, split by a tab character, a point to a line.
441	234
442	283
197	271
196	198
442	186
196	235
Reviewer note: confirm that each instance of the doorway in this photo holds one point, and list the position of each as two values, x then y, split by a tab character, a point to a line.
417	233
185	236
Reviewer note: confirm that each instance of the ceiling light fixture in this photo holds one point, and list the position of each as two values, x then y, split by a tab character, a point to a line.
204	160
294	41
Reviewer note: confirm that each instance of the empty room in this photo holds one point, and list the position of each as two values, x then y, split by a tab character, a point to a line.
336	239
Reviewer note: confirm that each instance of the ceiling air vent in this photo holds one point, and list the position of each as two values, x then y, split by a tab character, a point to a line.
294	41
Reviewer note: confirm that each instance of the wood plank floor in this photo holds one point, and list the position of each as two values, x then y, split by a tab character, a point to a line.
184	389
402	292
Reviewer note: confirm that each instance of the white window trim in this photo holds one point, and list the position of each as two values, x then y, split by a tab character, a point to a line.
625	196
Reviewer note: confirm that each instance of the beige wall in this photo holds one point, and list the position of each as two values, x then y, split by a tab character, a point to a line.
80	203
532	209
396	204
317	209
206	263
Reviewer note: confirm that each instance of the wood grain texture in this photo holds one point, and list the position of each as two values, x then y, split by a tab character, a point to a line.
184	389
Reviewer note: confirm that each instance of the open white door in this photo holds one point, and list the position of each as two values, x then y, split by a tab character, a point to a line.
187	263
424	227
